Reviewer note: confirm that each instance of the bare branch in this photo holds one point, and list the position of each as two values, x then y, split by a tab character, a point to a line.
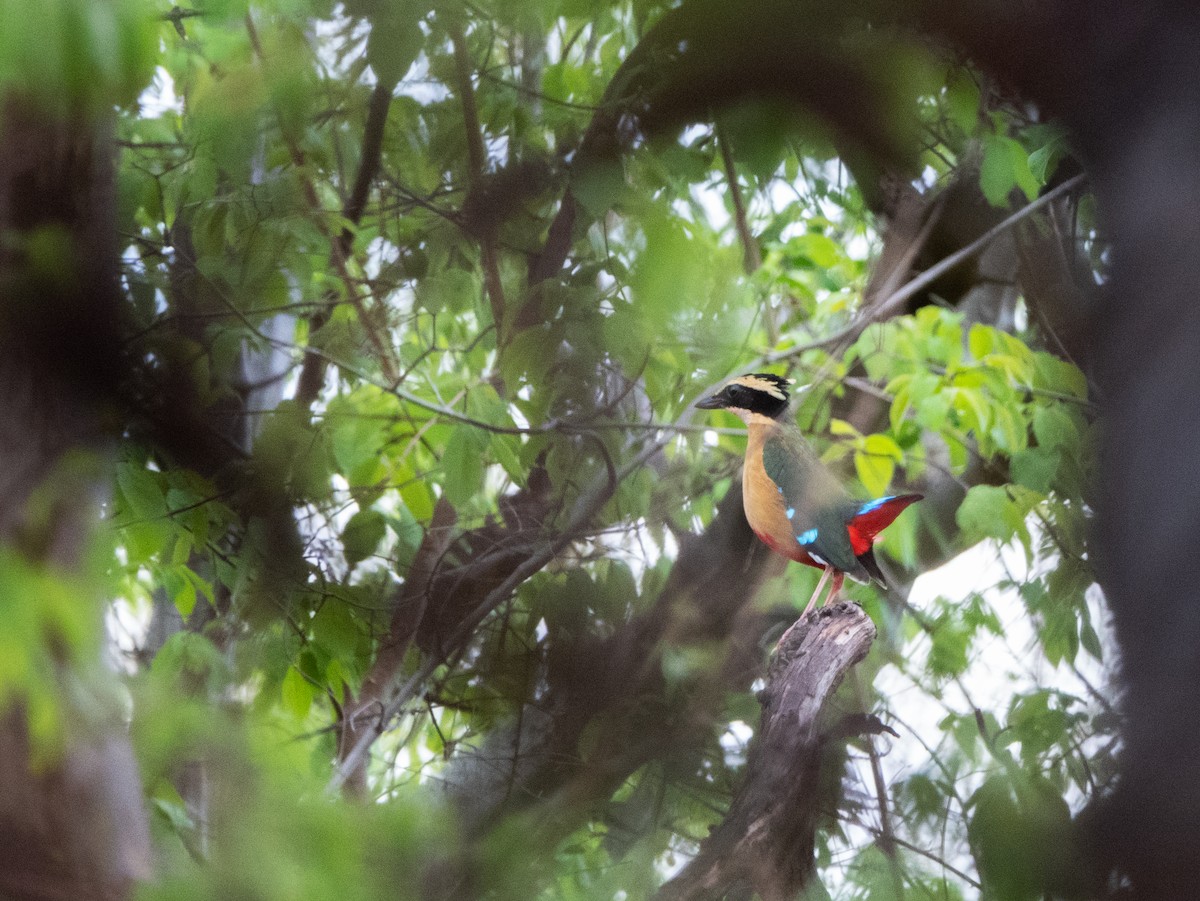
766	842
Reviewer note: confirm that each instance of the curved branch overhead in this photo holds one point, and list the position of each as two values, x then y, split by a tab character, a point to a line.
705	55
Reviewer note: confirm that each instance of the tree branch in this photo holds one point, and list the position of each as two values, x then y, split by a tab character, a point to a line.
891	303
766	841
312	371
408	611
617	683
751	255
477	155
531	560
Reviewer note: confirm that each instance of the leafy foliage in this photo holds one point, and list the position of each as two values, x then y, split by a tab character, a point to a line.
442	476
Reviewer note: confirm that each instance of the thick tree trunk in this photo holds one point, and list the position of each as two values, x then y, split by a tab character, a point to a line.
766	840
71	827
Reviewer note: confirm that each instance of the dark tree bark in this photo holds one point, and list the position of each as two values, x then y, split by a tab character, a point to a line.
766	841
75	830
1128	85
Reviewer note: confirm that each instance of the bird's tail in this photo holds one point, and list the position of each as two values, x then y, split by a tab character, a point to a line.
871	565
895	599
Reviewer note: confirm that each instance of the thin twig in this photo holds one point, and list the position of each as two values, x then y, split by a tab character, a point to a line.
312	372
751	255
928	277
589	504
928	855
887	835
477	156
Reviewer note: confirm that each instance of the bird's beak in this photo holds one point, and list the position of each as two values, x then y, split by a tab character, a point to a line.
710	403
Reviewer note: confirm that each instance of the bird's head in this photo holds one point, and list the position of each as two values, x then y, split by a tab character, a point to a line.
759	394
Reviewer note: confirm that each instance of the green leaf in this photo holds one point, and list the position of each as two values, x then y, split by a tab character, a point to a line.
294	454
876	874
1005	166
452	289
956	448
673	268
996	177
408	537
981	341
620	584
1034	467
881	445
1059	631
362	535
355	436
599	186
188	659
297	693
901	389
1054	429
394	41
1020	829
1008	429
334	629
185	588
1044	160
821	250
463	465
927	796
948	649
875	460
142	491
962	100
933	411
974	411
875	471
1026	180
689	163
505	450
1037	725
418	499
990	511
1053	374
175	813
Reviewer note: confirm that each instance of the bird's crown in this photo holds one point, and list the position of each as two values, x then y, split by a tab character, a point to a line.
769	383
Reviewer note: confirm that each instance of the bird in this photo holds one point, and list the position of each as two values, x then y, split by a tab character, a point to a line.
794	504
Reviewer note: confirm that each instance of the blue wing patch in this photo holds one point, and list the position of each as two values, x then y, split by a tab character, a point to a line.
808	537
874	505
791	511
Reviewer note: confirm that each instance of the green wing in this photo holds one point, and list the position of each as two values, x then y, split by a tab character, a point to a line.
818	506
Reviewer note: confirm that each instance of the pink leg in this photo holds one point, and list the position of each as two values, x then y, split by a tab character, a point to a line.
838	579
820	585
